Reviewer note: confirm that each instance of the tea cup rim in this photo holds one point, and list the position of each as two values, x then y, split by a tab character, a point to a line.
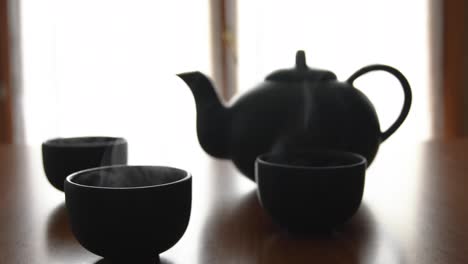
361	160
69	178
62	142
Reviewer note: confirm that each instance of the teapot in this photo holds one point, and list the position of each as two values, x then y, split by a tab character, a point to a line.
292	110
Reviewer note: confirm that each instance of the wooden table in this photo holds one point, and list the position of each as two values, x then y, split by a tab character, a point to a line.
415	210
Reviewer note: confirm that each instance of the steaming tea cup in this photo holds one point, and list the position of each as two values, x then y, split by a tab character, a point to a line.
129	214
309	192
63	156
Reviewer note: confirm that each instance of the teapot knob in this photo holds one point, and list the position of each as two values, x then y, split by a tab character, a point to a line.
301	72
301	63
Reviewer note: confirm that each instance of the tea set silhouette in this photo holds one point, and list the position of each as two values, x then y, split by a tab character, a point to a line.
305	138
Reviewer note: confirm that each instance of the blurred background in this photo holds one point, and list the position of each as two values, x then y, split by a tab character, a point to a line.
75	68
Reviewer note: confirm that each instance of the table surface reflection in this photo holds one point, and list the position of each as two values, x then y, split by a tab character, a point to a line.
415	210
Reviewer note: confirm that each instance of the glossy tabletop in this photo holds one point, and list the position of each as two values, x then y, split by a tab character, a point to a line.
415	210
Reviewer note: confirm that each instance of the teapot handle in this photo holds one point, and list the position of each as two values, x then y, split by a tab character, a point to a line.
406	89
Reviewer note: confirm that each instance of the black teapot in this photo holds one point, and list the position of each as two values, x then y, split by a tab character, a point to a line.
292	110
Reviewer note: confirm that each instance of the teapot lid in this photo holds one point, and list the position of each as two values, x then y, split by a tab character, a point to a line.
301	72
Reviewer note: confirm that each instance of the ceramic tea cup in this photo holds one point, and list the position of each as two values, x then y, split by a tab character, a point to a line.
129	214
63	156
308	192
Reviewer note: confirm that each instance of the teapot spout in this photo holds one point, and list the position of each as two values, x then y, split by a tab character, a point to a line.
213	118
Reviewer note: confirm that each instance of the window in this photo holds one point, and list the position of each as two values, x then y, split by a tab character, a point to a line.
343	36
91	67
88	61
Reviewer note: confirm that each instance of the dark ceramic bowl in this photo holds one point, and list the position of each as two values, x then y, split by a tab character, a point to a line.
63	156
310	192
129	214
